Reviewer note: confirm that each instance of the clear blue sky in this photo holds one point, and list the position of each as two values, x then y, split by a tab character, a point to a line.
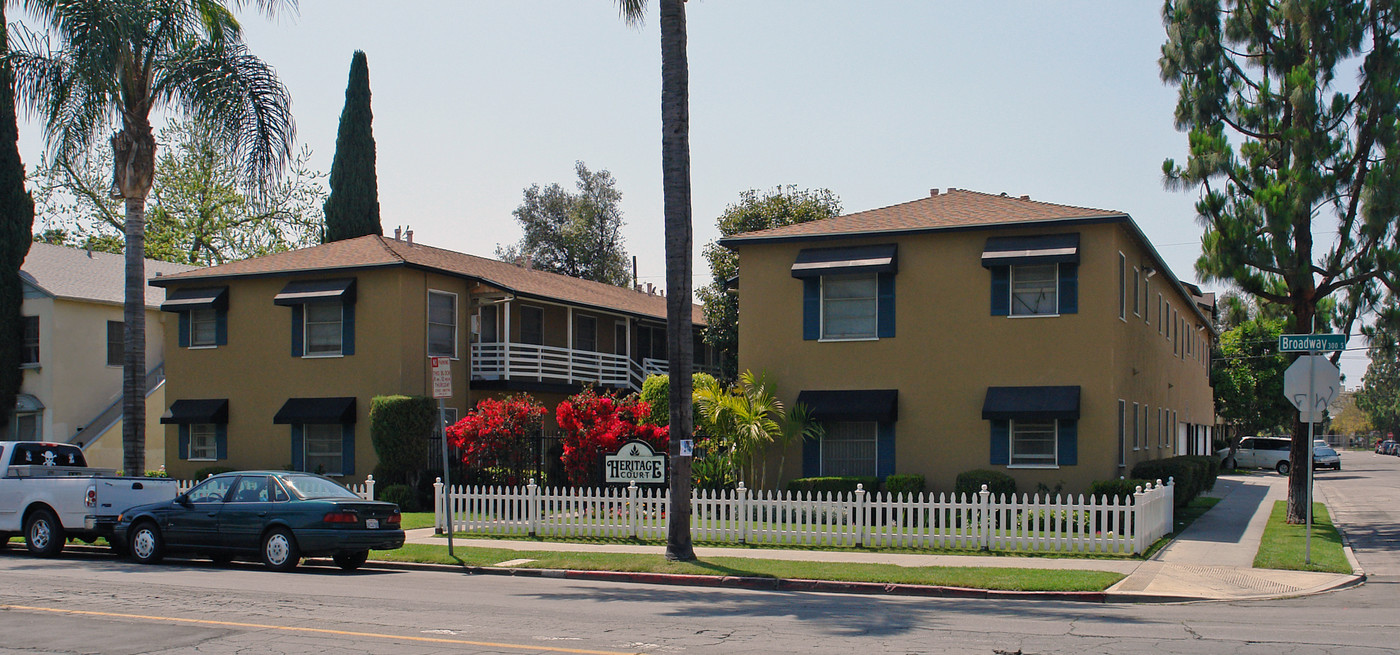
879	102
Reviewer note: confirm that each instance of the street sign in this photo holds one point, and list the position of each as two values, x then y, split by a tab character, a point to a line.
636	462
1311	384
1302	343
442	377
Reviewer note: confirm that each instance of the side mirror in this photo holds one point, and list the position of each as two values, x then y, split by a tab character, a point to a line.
183	499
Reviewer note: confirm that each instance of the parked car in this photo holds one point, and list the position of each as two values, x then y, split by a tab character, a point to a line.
1258	452
275	516
1326	458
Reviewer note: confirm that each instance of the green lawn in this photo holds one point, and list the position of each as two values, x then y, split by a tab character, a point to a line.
414	520
1283	544
971	577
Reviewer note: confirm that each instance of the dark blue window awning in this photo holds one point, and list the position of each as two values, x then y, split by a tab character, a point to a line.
184	300
1046	249
316	410
855	405
1031	403
186	411
816	262
301	292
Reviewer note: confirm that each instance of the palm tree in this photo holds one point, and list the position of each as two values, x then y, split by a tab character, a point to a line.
105	64
675	184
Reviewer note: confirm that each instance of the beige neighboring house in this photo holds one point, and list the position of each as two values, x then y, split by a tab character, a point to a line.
72	356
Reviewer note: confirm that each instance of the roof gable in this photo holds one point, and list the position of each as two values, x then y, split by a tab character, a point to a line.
77	274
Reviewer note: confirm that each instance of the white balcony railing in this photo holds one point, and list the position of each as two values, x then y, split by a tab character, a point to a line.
516	361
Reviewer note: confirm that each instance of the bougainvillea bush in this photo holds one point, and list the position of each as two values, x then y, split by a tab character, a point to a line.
495	434
595	425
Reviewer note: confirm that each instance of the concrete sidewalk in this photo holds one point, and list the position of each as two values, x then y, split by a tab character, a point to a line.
1211	560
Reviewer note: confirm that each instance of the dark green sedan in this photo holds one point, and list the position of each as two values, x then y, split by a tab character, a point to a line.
278	517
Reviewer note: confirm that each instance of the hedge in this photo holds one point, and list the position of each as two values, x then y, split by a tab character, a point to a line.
1122	489
1192	474
970	482
833	484
904	484
402	495
399	429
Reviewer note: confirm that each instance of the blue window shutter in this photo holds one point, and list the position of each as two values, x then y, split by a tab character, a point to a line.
884	450
184	329
811	309
1069	442
220	327
1001	442
298	324
884	312
347	330
811	458
298	448
221	441
184	433
347	453
1069	288
1001	290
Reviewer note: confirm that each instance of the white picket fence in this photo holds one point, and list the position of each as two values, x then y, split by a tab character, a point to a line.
979	521
364	490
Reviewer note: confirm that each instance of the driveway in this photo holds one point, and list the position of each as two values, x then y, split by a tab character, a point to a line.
1364	498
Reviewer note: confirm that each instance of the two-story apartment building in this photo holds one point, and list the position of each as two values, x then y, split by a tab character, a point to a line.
973	331
272	361
73	352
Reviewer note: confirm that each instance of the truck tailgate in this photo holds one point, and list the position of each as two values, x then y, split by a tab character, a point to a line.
115	495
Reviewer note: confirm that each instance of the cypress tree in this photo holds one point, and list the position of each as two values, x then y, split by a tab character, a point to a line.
352	209
16	224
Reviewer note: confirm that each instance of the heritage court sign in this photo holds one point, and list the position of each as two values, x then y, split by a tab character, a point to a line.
636	462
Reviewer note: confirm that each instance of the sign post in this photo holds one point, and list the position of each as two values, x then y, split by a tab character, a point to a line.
1310	383
442	388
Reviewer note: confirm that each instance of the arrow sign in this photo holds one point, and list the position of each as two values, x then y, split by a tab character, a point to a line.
1311	383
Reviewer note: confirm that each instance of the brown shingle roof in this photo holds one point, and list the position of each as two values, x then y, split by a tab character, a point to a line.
376	251
958	208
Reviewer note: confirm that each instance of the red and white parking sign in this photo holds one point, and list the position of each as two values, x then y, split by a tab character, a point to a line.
442	377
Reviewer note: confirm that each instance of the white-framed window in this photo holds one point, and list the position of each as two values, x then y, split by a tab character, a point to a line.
1161	308
1146	300
442	324
1137	445
115	342
325	448
1035	290
1137	291
30	348
1122	286
204	328
1033	442
28	426
1122	432
849	306
585	333
324	323
849	448
204	442
532	325
1146	434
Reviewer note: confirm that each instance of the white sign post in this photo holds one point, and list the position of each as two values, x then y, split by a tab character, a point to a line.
1311	383
442	388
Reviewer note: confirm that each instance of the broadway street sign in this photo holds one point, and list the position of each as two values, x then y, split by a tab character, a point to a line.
1302	343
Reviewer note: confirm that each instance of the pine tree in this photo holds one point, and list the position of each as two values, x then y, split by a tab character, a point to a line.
352	210
16	221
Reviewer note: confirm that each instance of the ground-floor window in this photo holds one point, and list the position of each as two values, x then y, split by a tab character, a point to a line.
325	448
849	448
29	426
1033	442
204	442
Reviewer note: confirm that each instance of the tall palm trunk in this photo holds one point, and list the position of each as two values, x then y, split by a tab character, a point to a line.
133	167
675	182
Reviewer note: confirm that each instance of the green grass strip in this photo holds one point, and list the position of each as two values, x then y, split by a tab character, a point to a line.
1283	544
1012	579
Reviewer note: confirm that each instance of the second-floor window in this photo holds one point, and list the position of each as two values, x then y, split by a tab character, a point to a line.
442	324
30	347
586	333
323	316
204	328
115	332
531	325
848	306
1035	290
323	328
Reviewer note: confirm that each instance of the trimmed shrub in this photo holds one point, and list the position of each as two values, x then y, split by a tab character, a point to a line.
656	391
904	484
1192	474
211	470
402	495
1122	489
399	428
833	484
970	482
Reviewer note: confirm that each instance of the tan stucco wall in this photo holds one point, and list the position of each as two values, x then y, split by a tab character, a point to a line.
105	450
949	349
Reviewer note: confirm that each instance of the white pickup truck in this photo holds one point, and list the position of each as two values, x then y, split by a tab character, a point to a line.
48	493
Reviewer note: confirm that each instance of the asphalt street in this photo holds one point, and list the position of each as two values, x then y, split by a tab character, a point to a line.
1364	497
97	604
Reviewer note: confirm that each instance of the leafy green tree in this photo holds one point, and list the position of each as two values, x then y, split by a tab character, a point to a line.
680	239
1247	376
198	213
16	220
115	61
575	234
1379	396
1282	155
352	210
785	205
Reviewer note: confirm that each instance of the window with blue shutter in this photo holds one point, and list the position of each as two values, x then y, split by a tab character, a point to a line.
848	293
1001	443
323	316
203	316
1068	442
811	309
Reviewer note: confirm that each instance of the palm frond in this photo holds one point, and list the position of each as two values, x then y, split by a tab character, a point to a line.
51	85
239	97
632	11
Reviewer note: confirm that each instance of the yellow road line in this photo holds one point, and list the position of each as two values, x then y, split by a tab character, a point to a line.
324	631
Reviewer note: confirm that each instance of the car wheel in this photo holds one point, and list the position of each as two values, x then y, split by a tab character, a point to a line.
1282	468
279	550
147	546
351	561
43	534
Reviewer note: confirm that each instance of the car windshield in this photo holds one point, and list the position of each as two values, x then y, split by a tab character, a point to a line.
310	486
1324	450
